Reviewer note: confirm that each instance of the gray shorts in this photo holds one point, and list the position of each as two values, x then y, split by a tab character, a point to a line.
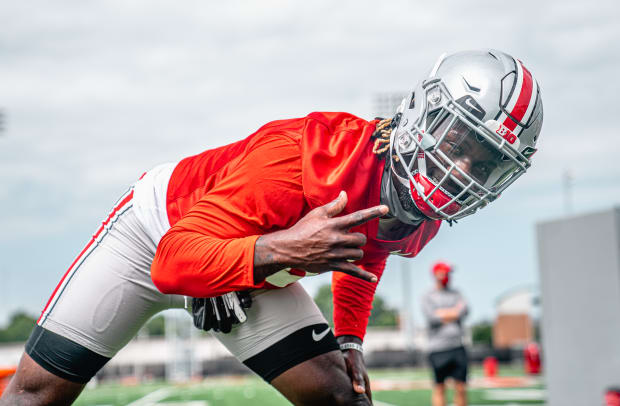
107	295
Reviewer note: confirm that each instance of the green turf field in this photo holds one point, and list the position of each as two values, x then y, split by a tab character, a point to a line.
233	391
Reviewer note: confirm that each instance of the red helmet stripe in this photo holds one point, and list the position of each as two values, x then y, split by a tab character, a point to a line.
524	99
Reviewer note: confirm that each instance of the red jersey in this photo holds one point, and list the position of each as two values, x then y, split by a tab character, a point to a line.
221	201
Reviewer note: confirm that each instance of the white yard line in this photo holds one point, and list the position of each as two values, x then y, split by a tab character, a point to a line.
515	394
152	398
378	403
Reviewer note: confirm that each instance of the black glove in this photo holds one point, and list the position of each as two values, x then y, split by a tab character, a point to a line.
222	312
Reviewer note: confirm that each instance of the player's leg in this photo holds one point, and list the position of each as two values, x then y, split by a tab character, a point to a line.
459	374
100	304
439	394
322	380
439	362
460	393
33	385
287	342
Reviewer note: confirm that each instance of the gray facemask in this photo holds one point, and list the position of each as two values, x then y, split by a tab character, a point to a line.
390	197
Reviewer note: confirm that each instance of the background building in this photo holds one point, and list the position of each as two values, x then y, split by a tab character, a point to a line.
513	326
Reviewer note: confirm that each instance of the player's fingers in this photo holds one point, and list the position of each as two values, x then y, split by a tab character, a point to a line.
350	269
352	240
346	254
367	383
209	319
337	205
357	377
361	216
358	384
224	322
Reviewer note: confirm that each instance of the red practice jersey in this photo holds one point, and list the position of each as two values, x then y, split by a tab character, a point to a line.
221	201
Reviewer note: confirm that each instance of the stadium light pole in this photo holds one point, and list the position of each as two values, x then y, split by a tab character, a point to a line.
4	291
2	121
406	315
178	335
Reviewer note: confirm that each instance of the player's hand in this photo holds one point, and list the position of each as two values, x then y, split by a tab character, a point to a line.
356	368
448	315
220	313
319	242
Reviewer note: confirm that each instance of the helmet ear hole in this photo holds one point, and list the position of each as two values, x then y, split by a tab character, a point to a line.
396	120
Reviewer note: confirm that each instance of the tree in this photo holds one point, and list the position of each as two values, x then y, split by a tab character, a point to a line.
482	333
381	315
323	300
156	327
18	329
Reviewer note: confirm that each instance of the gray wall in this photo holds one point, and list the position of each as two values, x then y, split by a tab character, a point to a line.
579	263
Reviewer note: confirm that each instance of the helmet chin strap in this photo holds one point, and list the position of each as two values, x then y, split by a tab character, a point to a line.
390	198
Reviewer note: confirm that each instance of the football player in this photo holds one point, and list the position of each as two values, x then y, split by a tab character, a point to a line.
299	197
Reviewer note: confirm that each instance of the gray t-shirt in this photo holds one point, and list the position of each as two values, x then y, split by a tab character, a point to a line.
443	336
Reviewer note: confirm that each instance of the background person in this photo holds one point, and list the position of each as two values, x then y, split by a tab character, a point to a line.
445	308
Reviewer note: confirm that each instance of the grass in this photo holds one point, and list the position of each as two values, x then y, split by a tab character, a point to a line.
235	392
250	390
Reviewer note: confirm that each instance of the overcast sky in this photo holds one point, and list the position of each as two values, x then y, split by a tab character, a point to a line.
97	92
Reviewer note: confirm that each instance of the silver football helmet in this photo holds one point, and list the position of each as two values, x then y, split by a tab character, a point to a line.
465	133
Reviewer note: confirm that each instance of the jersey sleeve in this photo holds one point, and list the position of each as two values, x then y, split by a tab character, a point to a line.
210	250
353	299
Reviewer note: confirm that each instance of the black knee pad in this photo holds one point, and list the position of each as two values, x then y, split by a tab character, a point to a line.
292	350
63	357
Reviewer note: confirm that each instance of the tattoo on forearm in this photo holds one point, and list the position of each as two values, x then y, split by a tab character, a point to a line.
264	262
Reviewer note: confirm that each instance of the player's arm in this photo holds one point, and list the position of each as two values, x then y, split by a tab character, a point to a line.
354	361
461	308
319	242
220	245
210	250
447	315
352	305
204	265
432	314
451	314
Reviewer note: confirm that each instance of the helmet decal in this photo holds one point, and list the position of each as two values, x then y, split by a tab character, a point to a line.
520	104
470	104
469	87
